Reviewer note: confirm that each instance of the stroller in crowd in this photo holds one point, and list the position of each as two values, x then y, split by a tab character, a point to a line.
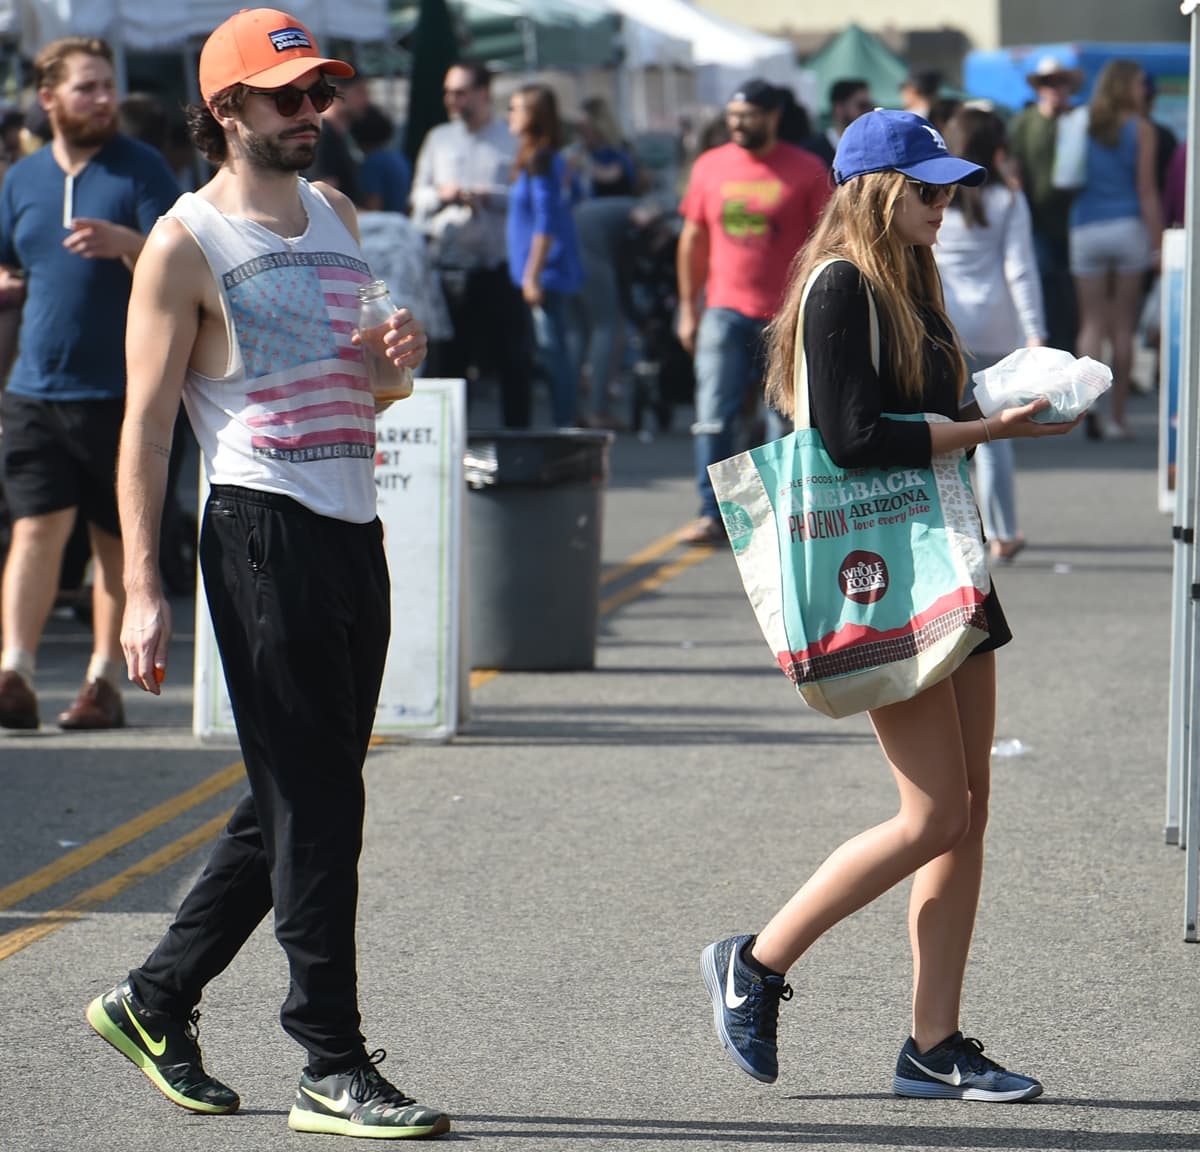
662	370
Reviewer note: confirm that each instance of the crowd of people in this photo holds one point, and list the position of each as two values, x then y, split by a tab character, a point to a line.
888	258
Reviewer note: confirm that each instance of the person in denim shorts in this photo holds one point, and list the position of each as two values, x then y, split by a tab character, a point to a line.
1116	229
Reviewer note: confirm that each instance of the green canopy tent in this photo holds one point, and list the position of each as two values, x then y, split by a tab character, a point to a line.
434	49
507	35
855	54
527	35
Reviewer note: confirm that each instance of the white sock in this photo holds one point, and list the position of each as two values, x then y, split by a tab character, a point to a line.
100	669
22	663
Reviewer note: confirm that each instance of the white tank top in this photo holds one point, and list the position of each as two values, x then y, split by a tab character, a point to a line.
294	412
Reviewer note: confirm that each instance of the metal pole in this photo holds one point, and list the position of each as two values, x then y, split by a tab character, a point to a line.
529	44
1185	474
1179	698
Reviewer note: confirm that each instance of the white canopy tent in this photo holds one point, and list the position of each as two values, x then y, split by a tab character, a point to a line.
165	25
154	25
647	49
724	53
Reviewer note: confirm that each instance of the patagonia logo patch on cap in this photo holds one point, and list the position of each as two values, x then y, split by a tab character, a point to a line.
288	38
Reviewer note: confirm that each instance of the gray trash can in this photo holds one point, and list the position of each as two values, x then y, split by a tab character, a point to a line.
534	505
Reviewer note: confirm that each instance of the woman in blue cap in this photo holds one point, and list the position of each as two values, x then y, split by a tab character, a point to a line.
894	179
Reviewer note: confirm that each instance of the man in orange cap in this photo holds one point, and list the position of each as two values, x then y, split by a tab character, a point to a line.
244	303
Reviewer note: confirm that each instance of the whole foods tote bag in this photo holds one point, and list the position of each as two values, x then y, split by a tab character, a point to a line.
868	583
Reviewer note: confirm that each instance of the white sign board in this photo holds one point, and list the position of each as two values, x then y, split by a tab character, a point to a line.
419	445
1174	268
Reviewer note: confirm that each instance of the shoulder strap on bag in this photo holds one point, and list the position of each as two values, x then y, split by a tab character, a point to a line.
801	417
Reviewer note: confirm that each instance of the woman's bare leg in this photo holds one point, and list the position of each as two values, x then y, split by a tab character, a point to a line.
945	892
1095	319
1126	306
923	745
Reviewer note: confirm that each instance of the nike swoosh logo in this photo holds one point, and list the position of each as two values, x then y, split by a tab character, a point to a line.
338	1105
154	1047
952	1078
732	999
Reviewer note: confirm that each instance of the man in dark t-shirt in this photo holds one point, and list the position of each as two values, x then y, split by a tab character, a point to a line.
339	158
1032	137
73	218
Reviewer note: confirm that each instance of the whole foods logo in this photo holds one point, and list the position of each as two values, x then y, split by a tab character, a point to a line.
738	525
863	577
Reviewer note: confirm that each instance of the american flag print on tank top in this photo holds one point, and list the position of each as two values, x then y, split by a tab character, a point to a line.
308	380
294	413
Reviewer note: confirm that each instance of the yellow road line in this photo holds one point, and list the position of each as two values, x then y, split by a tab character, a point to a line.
655	580
640	559
86	854
12	942
66	866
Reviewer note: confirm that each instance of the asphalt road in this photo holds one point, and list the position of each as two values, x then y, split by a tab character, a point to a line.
536	893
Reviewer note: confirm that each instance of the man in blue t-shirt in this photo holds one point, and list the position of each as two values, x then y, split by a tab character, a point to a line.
73	218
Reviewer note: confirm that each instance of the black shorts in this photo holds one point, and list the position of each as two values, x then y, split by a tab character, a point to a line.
998	630
62	454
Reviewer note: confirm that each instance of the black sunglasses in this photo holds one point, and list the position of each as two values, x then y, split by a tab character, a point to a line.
289	100
931	193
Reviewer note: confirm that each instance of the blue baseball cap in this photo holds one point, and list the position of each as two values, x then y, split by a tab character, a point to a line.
886	141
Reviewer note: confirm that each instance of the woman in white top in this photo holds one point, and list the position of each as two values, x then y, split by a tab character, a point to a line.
993	295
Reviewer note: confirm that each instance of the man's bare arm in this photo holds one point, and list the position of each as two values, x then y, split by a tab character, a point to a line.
691	270
164	318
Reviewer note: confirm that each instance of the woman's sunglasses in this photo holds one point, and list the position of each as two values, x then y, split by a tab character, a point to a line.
931	193
289	100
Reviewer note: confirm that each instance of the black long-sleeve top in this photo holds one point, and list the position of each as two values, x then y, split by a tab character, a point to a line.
847	397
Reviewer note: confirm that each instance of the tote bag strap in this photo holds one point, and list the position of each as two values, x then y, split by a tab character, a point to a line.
801	417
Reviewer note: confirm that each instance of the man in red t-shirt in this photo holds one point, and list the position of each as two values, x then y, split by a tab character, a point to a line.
749	207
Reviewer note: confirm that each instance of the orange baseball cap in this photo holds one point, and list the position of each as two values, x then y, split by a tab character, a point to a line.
263	47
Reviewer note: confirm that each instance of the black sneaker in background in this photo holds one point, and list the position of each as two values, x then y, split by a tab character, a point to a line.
957	1069
745	1007
360	1102
166	1049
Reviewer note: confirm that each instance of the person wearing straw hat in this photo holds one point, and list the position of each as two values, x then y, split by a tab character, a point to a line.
244	303
1032	137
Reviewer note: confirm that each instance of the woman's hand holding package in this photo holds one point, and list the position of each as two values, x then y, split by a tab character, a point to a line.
1028	420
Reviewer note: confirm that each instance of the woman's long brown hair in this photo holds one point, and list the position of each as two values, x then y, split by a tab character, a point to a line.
542	135
857	226
1113	101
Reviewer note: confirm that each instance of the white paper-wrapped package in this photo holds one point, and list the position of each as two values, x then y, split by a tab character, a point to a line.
1071	385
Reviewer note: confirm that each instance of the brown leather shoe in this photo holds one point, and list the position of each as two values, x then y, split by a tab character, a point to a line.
98	705
18	704
701	531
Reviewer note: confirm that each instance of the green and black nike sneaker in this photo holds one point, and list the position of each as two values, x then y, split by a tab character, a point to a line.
360	1102
165	1048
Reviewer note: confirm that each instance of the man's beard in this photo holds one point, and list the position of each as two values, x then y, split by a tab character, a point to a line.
751	138
275	154
83	131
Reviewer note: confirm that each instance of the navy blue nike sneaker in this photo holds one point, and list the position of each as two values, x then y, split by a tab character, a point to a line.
957	1069
745	1007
